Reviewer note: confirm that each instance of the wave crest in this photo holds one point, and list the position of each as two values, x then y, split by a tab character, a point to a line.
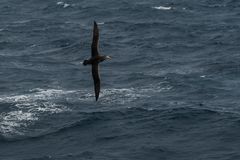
162	8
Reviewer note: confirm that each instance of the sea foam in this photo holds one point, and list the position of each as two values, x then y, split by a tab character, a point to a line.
28	108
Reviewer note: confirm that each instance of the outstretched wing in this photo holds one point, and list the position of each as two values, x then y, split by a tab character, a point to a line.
96	80
95	40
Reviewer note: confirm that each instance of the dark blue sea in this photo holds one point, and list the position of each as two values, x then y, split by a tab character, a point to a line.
170	92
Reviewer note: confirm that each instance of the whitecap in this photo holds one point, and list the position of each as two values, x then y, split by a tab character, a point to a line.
63	4
162	8
120	96
100	23
50	108
123	96
28	108
19	116
39	94
60	3
11	122
66	5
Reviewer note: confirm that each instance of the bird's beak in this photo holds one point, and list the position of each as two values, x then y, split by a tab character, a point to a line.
108	57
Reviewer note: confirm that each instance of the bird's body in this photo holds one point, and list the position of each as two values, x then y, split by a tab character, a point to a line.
95	59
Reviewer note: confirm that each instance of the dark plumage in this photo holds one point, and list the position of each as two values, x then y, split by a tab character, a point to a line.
95	59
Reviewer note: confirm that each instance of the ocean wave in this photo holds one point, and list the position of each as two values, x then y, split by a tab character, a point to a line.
132	117
69	156
37	96
38	102
27	109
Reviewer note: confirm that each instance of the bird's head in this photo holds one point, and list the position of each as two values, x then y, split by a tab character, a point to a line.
85	62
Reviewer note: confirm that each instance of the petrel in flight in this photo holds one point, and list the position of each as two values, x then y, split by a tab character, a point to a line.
95	59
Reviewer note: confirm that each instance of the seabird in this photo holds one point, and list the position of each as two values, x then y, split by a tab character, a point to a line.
95	59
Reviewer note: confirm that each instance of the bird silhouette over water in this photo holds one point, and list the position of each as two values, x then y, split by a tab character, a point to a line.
95	59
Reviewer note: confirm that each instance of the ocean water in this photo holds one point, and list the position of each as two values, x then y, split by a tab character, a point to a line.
170	92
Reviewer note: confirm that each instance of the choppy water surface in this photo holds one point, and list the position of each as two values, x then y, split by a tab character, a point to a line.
171	90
